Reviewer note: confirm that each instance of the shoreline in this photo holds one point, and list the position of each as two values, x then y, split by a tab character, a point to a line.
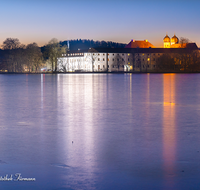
100	72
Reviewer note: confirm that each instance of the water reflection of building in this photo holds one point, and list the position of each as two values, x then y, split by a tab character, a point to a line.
76	104
169	127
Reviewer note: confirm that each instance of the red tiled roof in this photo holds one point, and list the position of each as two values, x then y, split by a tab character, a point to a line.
139	44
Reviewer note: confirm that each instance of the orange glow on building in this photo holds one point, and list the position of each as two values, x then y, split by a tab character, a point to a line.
171	43
166	41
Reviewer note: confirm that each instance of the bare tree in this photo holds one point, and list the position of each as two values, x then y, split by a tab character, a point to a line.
34	57
11	43
184	41
91	58
14	54
53	51
194	61
62	65
165	63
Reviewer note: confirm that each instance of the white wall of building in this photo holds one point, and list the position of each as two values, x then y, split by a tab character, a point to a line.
97	62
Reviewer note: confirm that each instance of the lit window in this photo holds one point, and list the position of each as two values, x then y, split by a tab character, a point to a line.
108	59
128	54
148	59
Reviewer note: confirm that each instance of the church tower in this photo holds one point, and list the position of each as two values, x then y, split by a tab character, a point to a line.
174	40
166	41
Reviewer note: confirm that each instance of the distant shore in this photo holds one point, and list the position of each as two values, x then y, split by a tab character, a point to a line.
120	72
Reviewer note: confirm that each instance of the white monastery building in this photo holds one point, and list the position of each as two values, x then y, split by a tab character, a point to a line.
137	56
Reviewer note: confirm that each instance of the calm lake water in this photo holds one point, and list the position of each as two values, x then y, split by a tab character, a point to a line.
100	131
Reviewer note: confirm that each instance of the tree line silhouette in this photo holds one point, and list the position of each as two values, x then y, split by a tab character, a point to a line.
16	57
85	44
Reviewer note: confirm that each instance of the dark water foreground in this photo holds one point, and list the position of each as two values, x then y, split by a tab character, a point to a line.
100	131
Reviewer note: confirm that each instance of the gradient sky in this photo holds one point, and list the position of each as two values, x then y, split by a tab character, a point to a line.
112	20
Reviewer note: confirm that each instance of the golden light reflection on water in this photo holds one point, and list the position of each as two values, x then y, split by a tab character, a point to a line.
130	89
147	114
169	128
148	89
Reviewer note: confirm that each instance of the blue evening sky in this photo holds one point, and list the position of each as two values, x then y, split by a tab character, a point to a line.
120	20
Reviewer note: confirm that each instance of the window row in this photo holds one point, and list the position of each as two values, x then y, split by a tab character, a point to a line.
73	54
115	54
113	59
148	54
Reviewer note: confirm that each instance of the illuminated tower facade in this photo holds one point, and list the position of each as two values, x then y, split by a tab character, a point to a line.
166	41
174	40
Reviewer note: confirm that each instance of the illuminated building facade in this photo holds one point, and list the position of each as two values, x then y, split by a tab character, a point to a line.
137	56
171	43
167	42
95	60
